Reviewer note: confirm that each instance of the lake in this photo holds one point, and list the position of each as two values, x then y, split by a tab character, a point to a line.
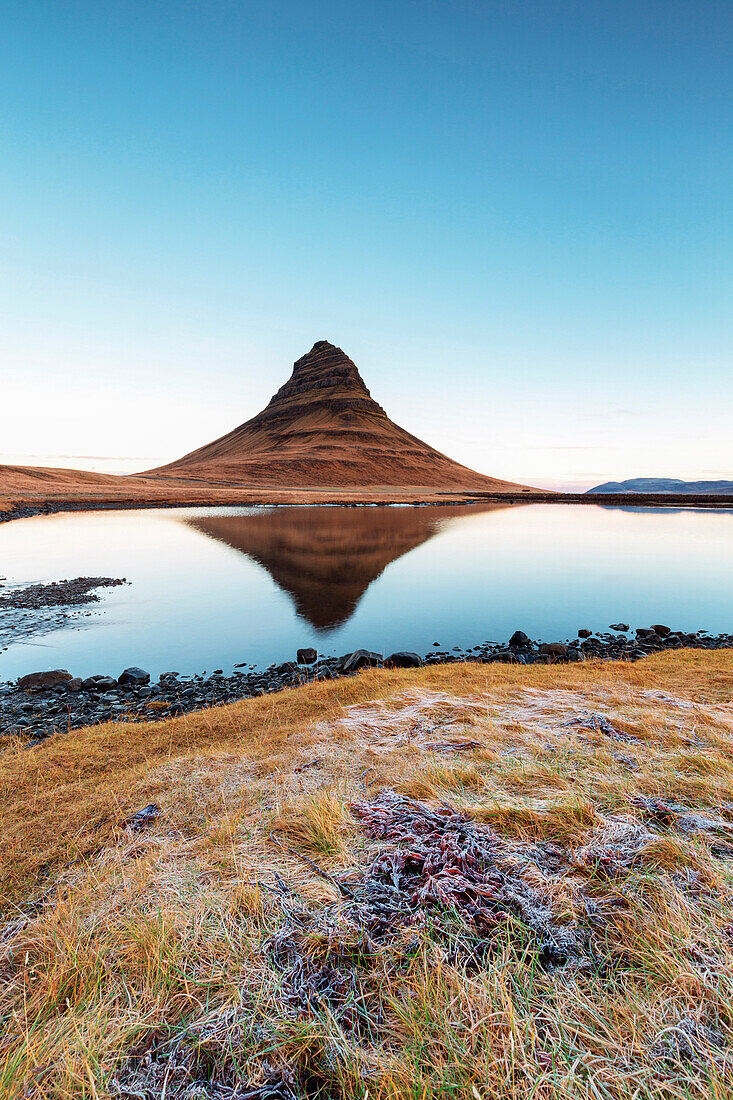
212	587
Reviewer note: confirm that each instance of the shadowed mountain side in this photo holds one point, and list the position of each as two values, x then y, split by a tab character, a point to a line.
326	558
323	428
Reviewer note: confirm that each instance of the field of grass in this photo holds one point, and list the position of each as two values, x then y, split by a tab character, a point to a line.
467	881
29	487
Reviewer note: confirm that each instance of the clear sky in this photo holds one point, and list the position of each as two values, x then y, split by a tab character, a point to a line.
515	216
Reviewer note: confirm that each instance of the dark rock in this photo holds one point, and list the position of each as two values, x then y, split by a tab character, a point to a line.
661	630
307	656
100	683
554	649
74	685
287	669
621	627
506	657
584	633
519	640
360	658
137	677
36	680
142	818
403	659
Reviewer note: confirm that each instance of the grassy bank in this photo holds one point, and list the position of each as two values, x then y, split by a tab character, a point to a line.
280	927
27	489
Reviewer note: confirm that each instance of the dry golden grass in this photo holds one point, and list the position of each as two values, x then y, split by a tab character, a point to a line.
37	486
116	940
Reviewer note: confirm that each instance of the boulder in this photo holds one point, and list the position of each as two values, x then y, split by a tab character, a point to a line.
136	677
74	685
506	657
360	658
584	633
100	683
519	640
34	681
287	669
661	630
307	656
554	649
403	659
621	627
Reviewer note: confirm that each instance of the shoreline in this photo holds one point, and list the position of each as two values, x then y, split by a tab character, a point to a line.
40	709
14	509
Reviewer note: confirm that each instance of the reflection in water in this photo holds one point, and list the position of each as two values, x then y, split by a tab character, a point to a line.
326	558
212	587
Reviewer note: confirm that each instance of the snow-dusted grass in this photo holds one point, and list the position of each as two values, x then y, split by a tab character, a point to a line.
216	946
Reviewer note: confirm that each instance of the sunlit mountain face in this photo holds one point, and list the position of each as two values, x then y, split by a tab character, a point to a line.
323	428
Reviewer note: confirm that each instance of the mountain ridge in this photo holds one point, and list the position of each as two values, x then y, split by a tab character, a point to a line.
663	485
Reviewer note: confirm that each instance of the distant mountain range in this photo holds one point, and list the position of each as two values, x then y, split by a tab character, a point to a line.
664	485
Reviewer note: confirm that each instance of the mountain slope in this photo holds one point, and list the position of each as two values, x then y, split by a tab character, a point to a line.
323	428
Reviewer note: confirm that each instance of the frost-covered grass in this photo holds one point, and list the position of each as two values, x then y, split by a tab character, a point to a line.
223	946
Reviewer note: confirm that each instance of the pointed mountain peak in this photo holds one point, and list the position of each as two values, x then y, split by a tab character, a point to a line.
323	428
324	367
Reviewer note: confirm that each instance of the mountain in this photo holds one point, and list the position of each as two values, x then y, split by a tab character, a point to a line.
326	558
323	429
664	485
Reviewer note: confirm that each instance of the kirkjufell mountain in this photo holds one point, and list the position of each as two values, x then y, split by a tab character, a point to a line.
324	429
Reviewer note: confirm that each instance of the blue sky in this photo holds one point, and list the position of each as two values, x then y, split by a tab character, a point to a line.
515	217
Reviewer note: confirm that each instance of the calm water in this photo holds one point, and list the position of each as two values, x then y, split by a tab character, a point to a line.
211	587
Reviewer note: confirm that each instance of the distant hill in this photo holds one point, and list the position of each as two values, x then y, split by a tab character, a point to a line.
664	485
323	429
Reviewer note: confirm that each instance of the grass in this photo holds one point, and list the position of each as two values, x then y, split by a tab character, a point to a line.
207	947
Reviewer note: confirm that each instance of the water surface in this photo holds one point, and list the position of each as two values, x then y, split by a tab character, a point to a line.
211	587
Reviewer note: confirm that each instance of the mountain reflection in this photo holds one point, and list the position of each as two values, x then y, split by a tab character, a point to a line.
325	558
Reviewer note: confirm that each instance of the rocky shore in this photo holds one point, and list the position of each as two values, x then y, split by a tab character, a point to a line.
43	703
28	610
